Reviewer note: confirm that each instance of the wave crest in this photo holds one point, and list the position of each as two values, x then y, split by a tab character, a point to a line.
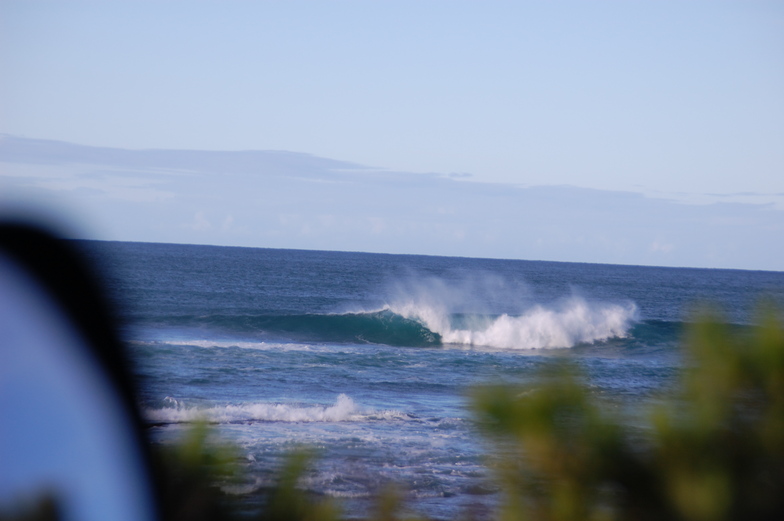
574	322
344	409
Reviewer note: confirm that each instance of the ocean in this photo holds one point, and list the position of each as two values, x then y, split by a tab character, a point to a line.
369	359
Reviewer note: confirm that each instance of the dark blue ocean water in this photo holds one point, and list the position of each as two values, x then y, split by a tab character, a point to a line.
370	358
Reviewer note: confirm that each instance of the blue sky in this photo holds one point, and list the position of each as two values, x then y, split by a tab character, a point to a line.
632	132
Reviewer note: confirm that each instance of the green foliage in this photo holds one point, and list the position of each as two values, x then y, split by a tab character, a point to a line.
714	451
188	476
287	502
722	445
390	506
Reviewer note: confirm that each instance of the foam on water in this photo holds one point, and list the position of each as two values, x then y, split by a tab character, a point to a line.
572	322
345	409
242	344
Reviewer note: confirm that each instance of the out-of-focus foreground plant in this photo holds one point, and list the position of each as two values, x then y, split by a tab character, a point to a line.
713	451
193	472
189	474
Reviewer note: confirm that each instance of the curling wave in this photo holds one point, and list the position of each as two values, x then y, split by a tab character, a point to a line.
573	322
425	324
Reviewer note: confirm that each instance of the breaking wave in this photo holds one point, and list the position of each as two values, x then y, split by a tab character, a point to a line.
573	322
344	409
486	312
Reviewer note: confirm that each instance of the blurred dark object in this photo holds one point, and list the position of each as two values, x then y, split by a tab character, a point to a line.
70	430
72	286
43	508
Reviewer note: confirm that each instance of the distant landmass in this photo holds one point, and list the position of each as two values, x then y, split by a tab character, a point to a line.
283	199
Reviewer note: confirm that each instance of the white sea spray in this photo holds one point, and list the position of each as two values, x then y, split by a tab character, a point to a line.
560	324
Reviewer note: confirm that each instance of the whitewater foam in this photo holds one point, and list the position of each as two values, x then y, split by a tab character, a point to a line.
344	409
242	344
574	321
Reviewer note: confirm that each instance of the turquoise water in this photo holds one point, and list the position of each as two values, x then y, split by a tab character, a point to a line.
369	358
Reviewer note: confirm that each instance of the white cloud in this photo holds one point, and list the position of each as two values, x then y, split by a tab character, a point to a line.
201	223
661	247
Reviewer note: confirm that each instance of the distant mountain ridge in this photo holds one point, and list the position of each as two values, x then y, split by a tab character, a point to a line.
15	149
296	200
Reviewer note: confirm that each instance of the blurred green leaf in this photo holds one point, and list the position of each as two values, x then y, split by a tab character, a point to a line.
713	451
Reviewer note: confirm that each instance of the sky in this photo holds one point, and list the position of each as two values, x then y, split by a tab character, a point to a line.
592	131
